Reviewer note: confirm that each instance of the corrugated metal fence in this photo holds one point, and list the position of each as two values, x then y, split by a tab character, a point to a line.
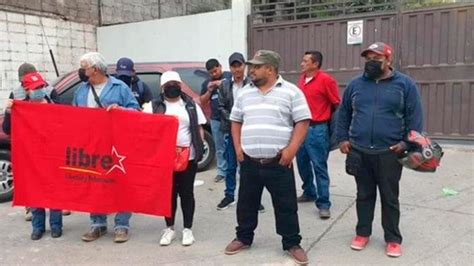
434	46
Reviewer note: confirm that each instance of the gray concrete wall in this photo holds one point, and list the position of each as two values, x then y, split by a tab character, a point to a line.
107	12
22	40
70	28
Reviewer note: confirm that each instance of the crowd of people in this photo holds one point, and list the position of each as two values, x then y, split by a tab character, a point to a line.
260	124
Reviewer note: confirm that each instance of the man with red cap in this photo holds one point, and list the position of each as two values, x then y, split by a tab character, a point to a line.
19	93
34	86
378	109
35	91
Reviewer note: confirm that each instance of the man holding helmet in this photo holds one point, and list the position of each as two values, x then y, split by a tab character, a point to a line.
378	109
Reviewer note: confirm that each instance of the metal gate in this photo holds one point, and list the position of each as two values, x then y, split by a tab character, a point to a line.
433	45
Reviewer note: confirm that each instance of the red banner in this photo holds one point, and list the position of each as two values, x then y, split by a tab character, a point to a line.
91	160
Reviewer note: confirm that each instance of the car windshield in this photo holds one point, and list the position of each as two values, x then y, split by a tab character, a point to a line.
192	76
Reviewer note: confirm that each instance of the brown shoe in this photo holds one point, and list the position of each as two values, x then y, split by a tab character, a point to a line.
94	233
66	213
28	214
235	247
121	235
304	198
298	255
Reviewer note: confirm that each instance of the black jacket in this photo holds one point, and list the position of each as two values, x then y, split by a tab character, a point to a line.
226	102
141	91
159	107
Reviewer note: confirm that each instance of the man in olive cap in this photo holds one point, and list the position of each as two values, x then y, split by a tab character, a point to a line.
270	119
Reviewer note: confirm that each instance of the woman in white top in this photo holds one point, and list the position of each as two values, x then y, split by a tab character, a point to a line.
190	135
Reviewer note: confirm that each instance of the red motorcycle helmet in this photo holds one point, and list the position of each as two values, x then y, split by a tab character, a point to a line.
423	154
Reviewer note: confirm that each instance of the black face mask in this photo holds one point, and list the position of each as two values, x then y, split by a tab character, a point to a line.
126	79
373	69
82	75
172	91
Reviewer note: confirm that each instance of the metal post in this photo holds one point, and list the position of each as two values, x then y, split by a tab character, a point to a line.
49	47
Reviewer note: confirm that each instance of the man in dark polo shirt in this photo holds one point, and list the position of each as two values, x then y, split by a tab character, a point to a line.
322	95
270	119
209	94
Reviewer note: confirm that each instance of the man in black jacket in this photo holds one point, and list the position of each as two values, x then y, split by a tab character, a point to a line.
209	95
126	73
228	93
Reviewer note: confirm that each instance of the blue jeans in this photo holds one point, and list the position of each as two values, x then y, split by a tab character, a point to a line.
39	220
231	171
218	137
122	220
313	156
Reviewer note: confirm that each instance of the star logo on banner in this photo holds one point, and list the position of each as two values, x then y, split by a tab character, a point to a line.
118	159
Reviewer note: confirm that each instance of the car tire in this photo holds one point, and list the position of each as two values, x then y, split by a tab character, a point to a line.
6	176
209	152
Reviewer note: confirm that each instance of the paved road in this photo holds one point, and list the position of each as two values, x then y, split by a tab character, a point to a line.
437	230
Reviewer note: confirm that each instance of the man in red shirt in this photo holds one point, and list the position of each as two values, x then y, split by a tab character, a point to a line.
322	94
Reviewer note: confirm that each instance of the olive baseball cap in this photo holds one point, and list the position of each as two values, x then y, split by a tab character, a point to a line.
265	57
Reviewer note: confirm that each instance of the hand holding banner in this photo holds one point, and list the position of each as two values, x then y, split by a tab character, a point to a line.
91	160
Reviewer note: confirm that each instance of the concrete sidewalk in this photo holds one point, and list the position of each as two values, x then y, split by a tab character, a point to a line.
437	230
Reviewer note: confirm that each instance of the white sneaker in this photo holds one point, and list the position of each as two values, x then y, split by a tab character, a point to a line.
188	238
168	236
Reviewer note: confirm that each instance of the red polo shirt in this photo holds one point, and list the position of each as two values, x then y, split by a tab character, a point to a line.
322	93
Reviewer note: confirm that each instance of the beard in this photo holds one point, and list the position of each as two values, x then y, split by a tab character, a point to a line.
259	81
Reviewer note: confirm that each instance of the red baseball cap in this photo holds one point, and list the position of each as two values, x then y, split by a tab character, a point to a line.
33	81
379	48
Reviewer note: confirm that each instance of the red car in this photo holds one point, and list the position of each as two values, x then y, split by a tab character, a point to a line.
192	73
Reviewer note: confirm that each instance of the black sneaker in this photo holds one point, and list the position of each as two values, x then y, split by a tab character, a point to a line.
225	203
56	233
219	178
261	209
37	235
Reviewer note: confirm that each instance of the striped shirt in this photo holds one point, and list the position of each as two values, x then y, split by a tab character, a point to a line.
268	119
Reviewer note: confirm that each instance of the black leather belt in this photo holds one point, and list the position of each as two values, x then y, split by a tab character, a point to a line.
315	123
265	160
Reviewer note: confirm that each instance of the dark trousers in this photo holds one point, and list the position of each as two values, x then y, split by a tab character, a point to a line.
382	171
280	182
183	185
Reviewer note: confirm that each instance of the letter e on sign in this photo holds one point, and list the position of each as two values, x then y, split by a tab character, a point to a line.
355	30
